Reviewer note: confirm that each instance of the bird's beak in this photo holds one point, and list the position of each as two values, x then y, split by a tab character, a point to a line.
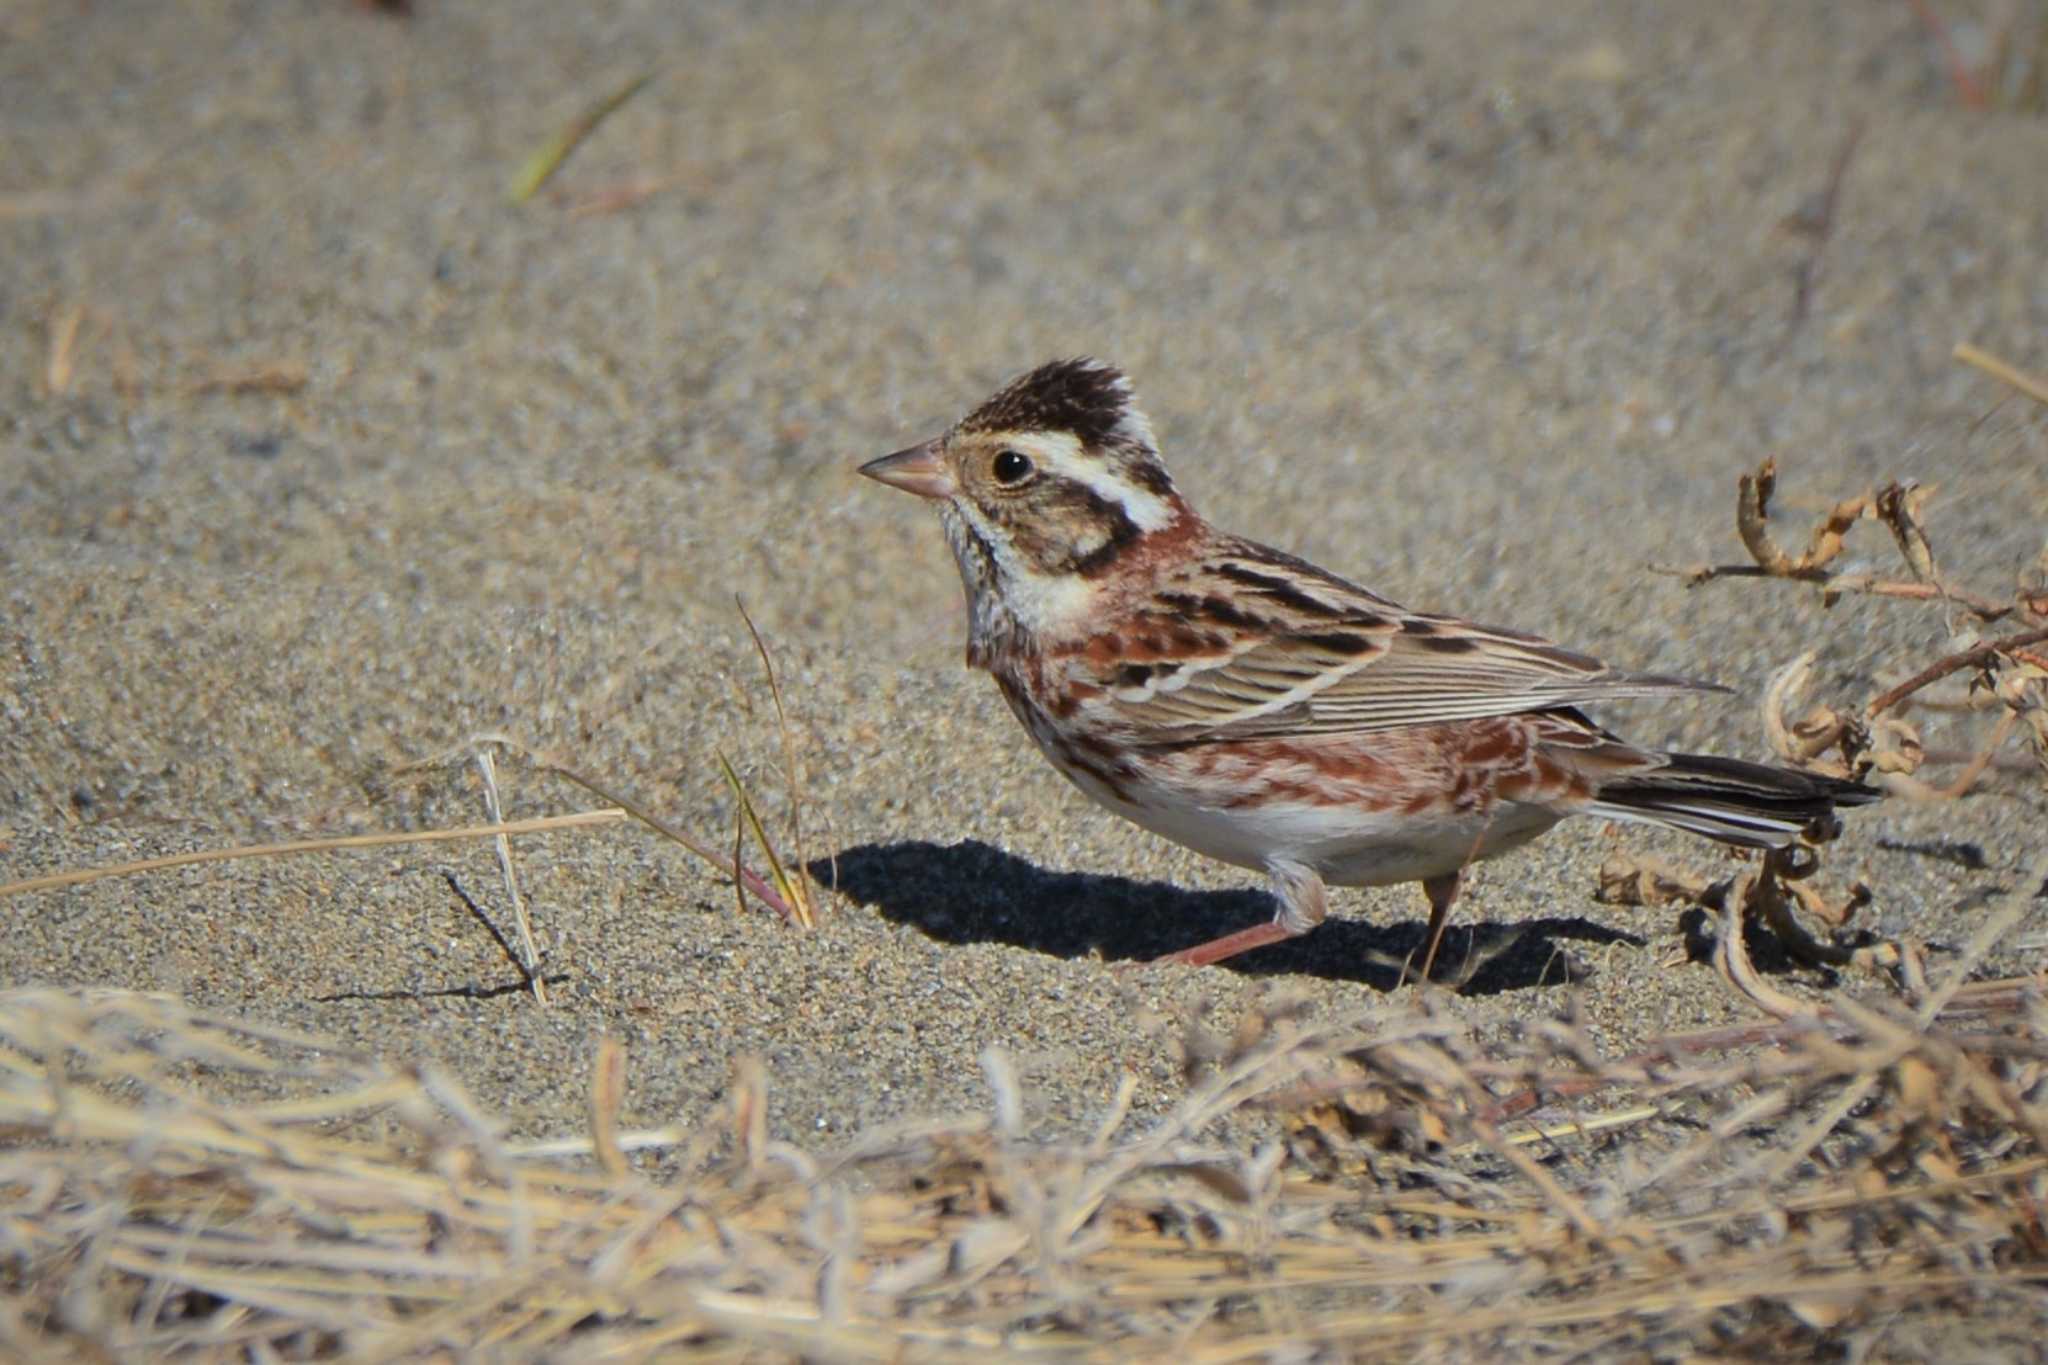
920	470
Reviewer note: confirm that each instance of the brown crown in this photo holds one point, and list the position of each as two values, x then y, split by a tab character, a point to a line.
1083	396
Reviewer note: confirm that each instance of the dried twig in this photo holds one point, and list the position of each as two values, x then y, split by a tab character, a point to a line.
794	888
2032	386
58	369
758	888
540	825
1766	892
619	196
788	889
2013	669
1977	656
1731	959
549	156
1959	74
488	767
607	1093
1900	506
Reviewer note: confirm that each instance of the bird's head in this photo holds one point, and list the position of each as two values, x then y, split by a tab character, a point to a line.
1049	483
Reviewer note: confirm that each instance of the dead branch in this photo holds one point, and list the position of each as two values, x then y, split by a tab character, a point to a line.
1900	505
1767	891
1977	656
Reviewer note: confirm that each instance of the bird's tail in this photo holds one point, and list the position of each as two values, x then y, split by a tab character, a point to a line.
1750	805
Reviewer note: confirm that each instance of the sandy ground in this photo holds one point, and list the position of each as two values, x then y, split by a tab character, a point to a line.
1487	305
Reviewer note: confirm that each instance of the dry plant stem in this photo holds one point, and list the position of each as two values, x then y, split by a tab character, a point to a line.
1890	752
621	195
57	372
1974	999
607	1093
1996	927
1982	607
760	889
747	821
1902	508
793	888
739	852
1804	948
1731	960
1979	763
492	807
540	825
1639	1067
1898	505
1752	518
1788	741
1959	74
1969	658
1774	1167
1579	1127
1869	585
549	156
1538	1175
781	724
2032	386
1764	891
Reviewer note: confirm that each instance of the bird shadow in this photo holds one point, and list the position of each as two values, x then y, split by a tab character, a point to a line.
972	892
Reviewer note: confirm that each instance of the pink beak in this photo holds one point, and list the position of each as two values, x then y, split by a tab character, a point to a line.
920	470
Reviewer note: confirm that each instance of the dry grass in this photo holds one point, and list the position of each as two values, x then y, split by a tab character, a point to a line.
1856	1177
2012	72
542	163
187	1185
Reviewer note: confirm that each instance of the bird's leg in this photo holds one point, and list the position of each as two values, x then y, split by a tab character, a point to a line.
1303	903
1441	892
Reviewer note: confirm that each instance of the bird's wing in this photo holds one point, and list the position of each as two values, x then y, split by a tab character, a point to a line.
1276	648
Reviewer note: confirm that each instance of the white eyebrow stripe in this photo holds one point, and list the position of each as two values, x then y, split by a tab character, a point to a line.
1134	427
1061	453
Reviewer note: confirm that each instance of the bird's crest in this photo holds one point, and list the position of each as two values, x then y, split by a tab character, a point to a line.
1083	396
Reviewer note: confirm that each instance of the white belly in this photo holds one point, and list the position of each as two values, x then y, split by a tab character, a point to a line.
1346	845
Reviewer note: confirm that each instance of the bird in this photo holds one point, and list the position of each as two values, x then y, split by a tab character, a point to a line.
1265	712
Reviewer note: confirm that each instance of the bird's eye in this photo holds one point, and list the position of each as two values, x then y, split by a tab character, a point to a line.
1010	468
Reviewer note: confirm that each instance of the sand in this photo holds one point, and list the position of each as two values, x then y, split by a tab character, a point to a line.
1484	305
